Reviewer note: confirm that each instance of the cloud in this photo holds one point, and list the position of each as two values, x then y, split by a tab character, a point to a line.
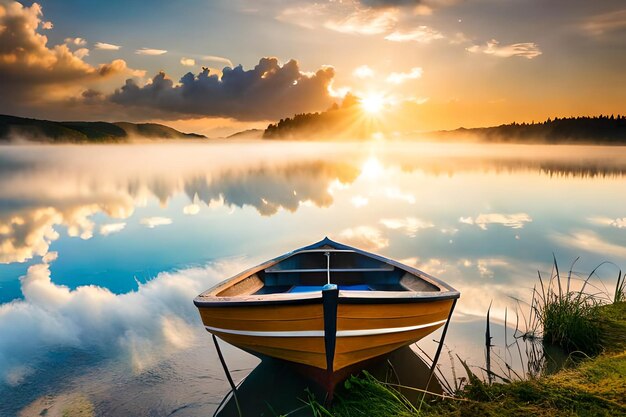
401	77
47	25
364	22
31	71
485	266
119	66
527	50
138	327
152	222
344	17
106	46
397	194
607	221
432	266
50	195
364	71
606	23
191	209
25	56
268	91
188	62
587	240
81	53
149	51
410	225
76	41
110	228
514	221
306	16
266	189
419	7
422	34
394	3
29	233
45	197
364	237
220	59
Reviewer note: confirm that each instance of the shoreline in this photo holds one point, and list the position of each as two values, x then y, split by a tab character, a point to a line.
586	386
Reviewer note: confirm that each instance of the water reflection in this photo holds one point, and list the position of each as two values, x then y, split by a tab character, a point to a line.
114	241
274	388
40	195
44	188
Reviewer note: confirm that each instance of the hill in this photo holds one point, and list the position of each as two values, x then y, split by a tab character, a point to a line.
247	134
12	128
338	122
598	130
348	122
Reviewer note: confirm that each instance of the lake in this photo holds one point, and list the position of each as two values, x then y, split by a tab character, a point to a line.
102	248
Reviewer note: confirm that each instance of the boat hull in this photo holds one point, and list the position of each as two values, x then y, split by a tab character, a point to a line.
299	333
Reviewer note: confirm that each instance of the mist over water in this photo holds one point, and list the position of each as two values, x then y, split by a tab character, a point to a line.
102	248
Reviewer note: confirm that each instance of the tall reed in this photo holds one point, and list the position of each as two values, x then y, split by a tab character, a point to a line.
620	289
569	318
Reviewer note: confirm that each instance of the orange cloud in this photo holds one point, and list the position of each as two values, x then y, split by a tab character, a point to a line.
421	34
31	70
527	50
365	22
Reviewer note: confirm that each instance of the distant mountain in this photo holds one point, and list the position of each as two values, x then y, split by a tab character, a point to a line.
156	131
19	128
598	130
247	134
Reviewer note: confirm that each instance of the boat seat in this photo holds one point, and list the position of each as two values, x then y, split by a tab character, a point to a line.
312	288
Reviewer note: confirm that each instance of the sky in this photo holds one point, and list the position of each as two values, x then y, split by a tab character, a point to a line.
216	67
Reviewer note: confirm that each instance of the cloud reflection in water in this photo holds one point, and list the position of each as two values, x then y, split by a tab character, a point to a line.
402	200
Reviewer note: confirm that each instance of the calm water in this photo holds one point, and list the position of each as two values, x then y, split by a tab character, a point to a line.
102	248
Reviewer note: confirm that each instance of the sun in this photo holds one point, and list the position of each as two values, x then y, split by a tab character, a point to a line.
372	103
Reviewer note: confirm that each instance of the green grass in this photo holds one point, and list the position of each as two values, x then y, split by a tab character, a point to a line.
570	318
596	386
571	324
365	396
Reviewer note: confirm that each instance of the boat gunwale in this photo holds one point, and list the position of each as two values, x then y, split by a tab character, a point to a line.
209	298
412	297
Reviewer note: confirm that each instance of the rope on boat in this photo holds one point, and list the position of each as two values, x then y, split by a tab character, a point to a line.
327	267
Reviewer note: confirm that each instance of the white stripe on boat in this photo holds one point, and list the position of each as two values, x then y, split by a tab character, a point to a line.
320	333
369	332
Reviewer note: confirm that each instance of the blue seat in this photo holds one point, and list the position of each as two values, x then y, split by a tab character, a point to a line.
312	288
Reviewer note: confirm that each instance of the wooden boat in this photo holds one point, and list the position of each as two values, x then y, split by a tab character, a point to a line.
328	308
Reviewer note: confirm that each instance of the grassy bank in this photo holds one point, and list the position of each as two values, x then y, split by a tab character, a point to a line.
594	386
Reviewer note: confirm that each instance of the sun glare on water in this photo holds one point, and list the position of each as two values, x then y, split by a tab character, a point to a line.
372	168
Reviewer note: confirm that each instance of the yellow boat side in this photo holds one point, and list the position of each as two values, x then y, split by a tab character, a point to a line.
291	332
366	331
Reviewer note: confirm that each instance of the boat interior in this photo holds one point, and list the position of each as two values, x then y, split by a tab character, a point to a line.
308	270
